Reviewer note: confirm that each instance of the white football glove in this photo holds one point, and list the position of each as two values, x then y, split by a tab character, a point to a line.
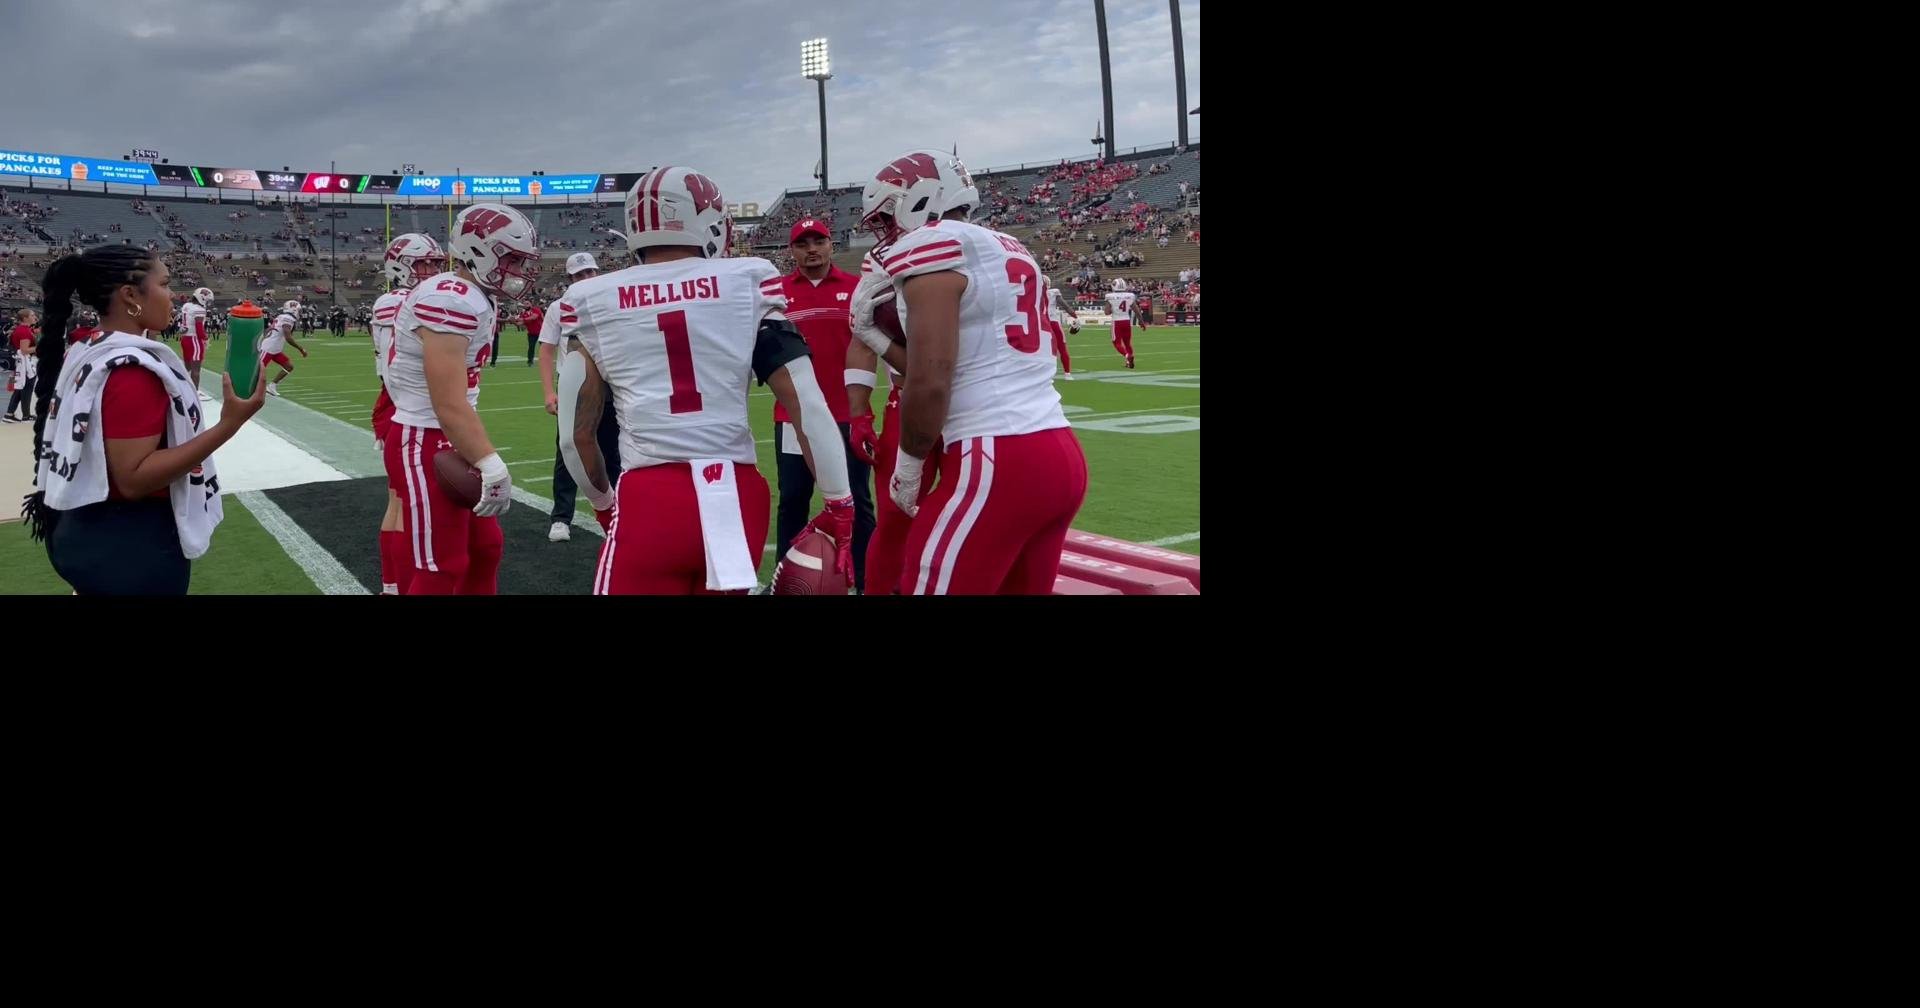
496	487
874	289
906	483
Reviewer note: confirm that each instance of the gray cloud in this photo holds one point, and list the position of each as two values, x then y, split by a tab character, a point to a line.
492	85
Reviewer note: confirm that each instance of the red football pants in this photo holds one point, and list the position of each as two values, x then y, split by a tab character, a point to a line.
453	550
997	523
887	549
656	547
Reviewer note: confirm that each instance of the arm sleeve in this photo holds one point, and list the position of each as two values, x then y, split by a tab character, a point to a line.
823	434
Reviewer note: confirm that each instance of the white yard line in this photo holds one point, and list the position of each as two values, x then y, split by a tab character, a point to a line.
326	572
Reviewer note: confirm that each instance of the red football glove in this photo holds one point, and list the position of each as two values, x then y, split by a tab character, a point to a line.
605	518
836	520
861	439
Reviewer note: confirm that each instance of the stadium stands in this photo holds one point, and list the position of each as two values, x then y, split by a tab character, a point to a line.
38	222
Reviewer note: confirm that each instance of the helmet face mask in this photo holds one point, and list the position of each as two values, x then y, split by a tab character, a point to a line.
912	189
499	246
413	257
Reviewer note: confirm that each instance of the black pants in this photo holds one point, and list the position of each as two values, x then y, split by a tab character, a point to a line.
493	357
22	402
796	496
120	548
533	343
564	488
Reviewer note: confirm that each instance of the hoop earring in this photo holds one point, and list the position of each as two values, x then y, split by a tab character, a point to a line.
133	311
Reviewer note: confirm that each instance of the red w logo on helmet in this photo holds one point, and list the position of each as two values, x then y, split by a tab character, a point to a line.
705	194
484	223
712	473
908	170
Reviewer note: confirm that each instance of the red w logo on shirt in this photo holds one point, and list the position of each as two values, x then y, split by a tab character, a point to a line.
908	170
712	473
484	223
705	194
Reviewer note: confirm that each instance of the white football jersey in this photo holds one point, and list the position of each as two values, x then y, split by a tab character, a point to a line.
193	321
386	311
445	303
675	341
274	340
1003	373
550	324
1055	310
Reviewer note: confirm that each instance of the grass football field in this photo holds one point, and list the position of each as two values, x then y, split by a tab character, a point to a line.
1140	430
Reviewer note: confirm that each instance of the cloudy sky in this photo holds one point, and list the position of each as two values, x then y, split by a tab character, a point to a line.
497	86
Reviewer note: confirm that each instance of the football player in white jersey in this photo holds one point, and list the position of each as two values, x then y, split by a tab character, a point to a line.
1120	306
193	335
273	346
1056	316
676	339
442	337
1012	475
411	258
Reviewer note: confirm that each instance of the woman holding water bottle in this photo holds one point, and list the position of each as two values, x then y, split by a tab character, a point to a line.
127	493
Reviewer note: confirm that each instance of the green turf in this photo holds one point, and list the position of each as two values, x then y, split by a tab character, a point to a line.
243	559
1143	485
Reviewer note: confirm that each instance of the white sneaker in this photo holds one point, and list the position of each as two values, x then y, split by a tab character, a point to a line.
273	388
204	397
1068	376
559	532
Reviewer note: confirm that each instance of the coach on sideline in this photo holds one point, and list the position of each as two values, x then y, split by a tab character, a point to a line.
580	266
819	296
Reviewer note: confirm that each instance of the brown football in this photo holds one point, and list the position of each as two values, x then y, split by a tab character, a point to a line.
807	569
460	481
886	318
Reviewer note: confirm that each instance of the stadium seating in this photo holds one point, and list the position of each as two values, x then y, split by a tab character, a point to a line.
564	229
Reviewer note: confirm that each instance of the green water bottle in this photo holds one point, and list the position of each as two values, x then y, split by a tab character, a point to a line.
244	326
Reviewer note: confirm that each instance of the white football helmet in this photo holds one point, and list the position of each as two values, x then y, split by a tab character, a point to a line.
678	206
204	295
291	308
498	245
913	188
413	257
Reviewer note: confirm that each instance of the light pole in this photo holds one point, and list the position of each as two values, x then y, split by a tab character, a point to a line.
815	66
333	257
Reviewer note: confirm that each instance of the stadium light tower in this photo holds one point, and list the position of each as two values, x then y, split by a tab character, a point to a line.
1106	74
815	66
1179	72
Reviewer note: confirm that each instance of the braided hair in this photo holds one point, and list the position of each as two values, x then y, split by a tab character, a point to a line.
91	277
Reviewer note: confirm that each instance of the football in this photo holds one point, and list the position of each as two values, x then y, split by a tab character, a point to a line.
460	481
807	569
886	318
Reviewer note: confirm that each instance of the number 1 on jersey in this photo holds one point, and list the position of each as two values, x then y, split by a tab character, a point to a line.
686	394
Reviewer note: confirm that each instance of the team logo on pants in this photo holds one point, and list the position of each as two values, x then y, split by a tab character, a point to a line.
712	473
